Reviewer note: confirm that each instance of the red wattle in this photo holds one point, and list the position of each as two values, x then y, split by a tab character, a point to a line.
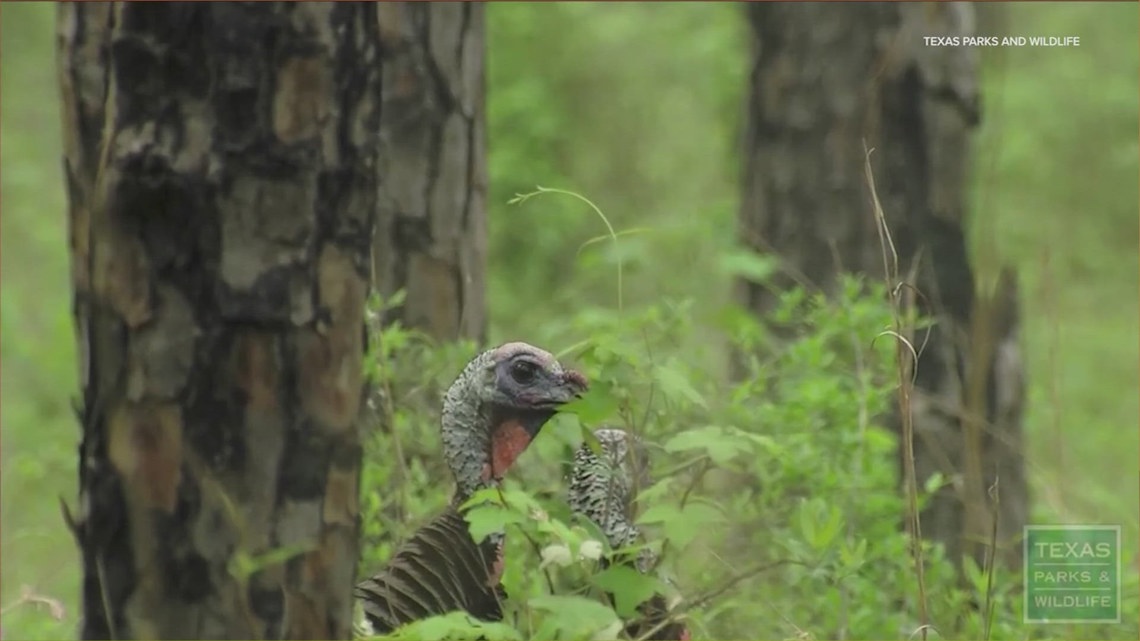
507	443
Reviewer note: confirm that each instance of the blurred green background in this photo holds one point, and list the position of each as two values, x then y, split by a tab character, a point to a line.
639	107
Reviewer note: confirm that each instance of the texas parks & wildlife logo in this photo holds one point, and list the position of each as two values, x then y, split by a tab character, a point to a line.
1072	574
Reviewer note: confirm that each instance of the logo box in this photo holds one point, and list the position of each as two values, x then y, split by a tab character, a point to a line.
1072	573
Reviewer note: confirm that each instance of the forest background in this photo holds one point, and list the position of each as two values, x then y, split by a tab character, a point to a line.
640	109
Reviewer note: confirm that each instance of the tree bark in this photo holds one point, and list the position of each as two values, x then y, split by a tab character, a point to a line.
826	78
431	236
222	175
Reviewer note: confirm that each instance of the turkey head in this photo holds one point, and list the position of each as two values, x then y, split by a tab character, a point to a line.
496	408
491	413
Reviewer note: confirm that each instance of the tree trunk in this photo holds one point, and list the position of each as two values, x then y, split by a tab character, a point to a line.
222	175
431	236
826	78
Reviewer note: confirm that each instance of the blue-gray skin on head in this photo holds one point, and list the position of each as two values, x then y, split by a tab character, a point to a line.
603	487
496	407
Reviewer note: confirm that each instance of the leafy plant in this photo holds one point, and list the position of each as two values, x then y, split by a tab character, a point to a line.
775	506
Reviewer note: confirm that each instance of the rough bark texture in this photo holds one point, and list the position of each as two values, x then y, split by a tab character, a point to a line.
431	236
222	175
825	78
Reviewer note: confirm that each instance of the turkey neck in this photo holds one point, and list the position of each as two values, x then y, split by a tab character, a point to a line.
600	492
475	435
602	488
465	433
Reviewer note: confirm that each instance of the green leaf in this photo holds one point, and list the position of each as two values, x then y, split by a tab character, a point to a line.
934	483
720	444
455	625
975	574
820	524
584	529
765	442
591	441
748	264
853	557
695	518
557	529
629	587
487	495
596	406
675	384
830	529
682	525
484	519
661	513
496	631
571	616
448	626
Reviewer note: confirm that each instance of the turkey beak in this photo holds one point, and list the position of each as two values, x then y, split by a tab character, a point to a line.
560	390
574	385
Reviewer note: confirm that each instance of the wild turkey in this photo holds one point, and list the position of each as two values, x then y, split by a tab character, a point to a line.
602	489
491	413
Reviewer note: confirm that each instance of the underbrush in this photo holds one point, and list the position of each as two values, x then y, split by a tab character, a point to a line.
775	505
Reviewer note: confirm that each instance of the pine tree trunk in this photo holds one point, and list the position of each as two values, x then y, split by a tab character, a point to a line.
222	174
826	78
431	236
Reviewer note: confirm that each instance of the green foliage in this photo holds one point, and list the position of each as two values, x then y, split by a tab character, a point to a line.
455	625
777	489
402	476
599	113
1056	191
38	362
629	587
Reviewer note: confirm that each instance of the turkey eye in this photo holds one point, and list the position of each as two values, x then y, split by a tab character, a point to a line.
523	372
